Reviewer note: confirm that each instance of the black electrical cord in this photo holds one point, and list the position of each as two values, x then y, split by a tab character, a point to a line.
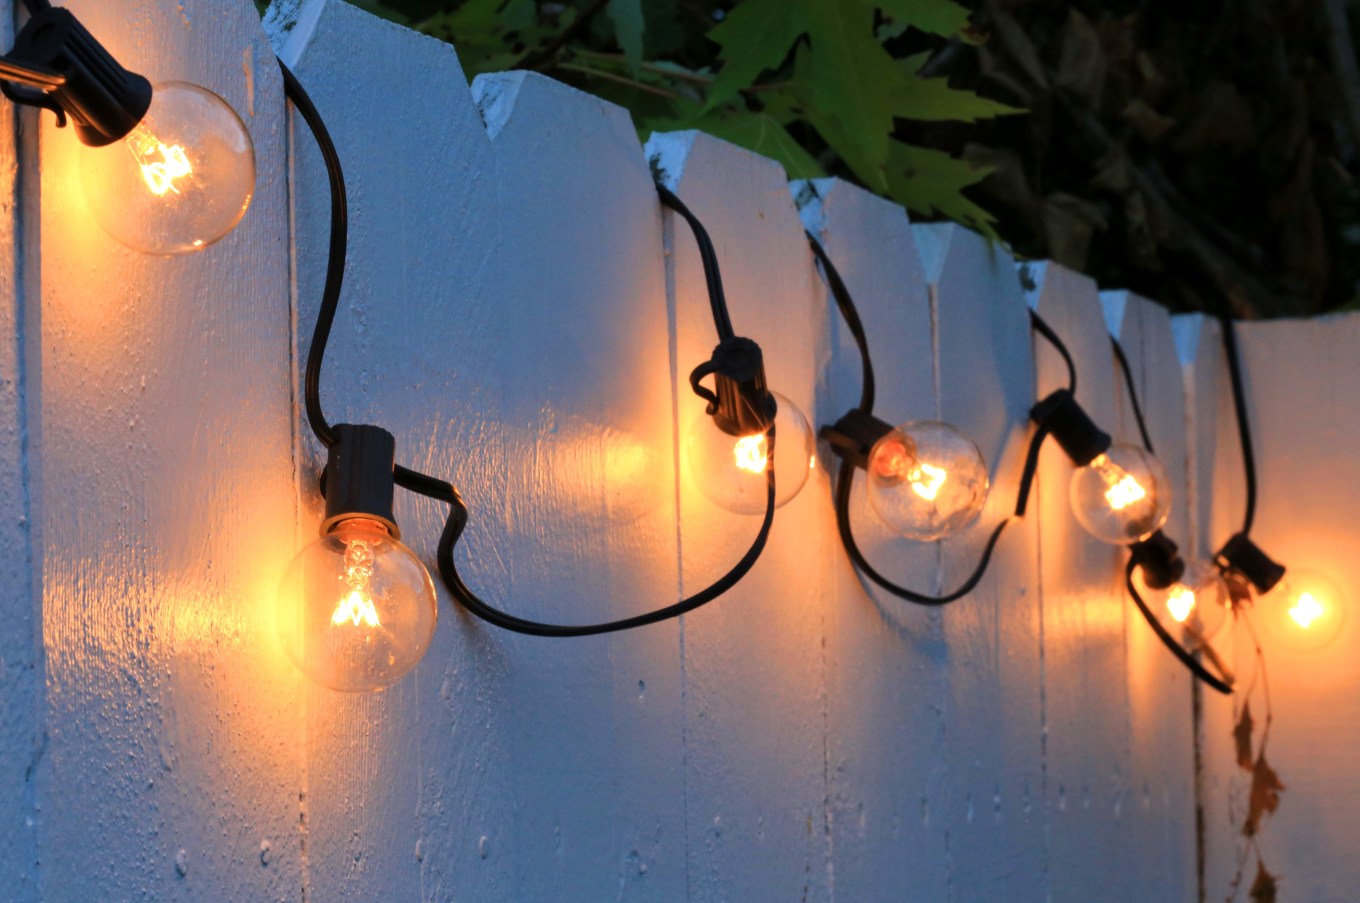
1186	658
443	491
1243	425
1182	654
846	476
1133	393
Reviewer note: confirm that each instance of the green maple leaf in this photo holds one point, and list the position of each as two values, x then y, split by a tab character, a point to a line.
931	183
851	79
932	100
755	36
629	25
938	17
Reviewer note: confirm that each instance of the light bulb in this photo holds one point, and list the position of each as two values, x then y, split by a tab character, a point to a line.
180	180
730	470
1304	612
356	608
1194	607
926	480
1122	496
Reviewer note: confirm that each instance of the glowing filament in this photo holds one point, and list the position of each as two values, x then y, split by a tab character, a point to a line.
926	480
357	608
1123	490
750	453
1180	603
161	165
1306	610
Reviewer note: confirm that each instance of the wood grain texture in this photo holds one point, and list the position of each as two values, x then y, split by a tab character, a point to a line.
1300	381
754	660
1161	799
1085	694
406	788
993	814
597	759
884	682
1215	490
21	663
173	764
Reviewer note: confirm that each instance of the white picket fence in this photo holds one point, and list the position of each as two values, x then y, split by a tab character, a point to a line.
521	314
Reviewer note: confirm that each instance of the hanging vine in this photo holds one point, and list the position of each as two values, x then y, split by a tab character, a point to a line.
1264	796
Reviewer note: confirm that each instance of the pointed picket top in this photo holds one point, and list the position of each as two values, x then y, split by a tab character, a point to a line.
1189	331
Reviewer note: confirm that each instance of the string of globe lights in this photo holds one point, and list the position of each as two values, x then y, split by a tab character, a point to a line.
925	479
357	608
386	593
1119	492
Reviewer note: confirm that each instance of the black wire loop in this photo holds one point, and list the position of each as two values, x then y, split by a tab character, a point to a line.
846	476
1133	393
443	491
717	298
1243	424
1186	658
335	260
1037	323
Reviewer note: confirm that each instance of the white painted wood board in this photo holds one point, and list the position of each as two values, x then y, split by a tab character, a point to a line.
1300	380
1216	481
992	774
390	810
1160	803
753	660
165	501
884	685
597	753
21	664
1086	747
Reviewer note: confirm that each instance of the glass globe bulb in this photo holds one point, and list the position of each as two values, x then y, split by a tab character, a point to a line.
1122	496
1193	608
356	608
730	470
180	180
1303	613
926	480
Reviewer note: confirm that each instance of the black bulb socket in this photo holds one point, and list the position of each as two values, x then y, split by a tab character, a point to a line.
742	404
1159	559
1245	557
104	100
854	436
359	480
1073	429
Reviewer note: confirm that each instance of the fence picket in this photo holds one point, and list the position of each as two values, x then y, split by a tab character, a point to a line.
165	510
884	698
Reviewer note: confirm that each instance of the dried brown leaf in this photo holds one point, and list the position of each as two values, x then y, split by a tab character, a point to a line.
1082	66
1263	888
1239	591
1242	737
1147	122
1265	795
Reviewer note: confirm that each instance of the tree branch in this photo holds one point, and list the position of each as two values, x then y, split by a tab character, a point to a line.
540	55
